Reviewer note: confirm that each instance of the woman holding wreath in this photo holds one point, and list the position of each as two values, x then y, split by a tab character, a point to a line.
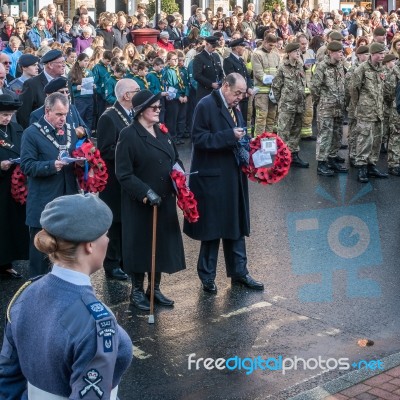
14	237
144	159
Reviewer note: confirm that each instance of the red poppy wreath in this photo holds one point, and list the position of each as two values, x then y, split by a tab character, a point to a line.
280	166
92	177
19	188
186	201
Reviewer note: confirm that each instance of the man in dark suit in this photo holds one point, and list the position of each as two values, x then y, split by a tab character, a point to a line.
4	90
235	63
207	69
110	124
220	186
33	95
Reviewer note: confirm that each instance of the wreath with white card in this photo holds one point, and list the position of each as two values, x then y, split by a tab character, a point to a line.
270	159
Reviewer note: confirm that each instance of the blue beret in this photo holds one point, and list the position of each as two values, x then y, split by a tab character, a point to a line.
77	218
26	60
237	42
51	56
55	85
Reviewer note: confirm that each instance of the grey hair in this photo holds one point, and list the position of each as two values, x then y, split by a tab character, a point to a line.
52	99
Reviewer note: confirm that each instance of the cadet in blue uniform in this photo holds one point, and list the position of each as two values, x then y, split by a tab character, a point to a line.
74	348
29	65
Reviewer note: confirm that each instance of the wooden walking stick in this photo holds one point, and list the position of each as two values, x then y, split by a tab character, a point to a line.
153	265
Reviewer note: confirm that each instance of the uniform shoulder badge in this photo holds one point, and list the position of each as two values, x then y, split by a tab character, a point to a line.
98	310
92	379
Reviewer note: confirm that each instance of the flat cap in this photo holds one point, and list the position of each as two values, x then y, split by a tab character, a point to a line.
51	56
362	50
212	40
379	31
291	47
376	48
388	58
237	42
26	60
77	218
55	85
334	46
335	35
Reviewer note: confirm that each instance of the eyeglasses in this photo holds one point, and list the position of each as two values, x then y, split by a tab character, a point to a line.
155	108
58	62
133	91
7	62
173	59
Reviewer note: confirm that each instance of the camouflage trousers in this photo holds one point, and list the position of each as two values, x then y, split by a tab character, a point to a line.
369	139
265	114
329	139
394	141
385	129
289	129
306	126
352	138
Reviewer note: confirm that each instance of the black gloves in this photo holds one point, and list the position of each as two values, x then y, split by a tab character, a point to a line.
153	198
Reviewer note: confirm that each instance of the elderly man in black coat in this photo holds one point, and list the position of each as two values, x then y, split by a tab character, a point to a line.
110	124
220	186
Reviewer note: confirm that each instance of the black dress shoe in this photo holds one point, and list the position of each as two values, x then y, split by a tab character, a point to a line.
335	166
139	300
394	171
323	169
298	162
374	172
210	286
159	298
10	274
117	273
249	282
362	174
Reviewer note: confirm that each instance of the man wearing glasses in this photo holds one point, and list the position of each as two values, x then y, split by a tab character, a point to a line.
33	95
38	34
110	124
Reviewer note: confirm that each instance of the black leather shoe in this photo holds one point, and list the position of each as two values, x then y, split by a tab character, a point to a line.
298	162
323	169
394	171
10	274
362	174
159	298
249	282
374	172
117	273
335	166
139	300
210	287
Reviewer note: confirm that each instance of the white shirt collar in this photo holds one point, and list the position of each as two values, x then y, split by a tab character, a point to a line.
71	276
48	77
127	111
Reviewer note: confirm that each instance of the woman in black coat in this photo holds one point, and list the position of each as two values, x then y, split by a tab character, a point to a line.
143	162
14	236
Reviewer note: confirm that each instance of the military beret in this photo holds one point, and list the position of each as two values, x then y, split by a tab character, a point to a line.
211	40
76	218
379	31
376	48
237	42
388	58
26	60
291	47
55	85
334	46
362	50
51	56
335	35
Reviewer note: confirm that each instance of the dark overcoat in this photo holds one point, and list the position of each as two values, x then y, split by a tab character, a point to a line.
108	129
38	155
143	162
220	187
14	235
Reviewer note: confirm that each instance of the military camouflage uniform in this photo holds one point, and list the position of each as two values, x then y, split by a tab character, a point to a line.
327	89
288	87
351	110
387	109
306	128
366	91
389	95
264	63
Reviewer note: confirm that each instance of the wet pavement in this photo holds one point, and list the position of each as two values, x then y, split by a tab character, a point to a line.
328	252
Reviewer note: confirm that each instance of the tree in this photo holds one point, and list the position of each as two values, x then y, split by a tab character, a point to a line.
168	6
269	4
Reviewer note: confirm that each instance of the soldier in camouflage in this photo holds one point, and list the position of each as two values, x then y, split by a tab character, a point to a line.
288	88
362	54
366	91
327	89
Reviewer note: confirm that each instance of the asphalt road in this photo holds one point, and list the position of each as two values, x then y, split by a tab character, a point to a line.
326	249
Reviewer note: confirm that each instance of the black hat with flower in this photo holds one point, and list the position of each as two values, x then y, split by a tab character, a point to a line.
143	100
8	103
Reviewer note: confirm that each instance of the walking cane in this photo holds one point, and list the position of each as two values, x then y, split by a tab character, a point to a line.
153	265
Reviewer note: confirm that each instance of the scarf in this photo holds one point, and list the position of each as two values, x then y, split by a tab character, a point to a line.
146	84
178	75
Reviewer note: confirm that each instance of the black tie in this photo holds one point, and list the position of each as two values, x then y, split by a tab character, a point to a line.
130	115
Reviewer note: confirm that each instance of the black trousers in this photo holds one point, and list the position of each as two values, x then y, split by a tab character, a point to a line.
114	250
175	117
39	263
235	258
